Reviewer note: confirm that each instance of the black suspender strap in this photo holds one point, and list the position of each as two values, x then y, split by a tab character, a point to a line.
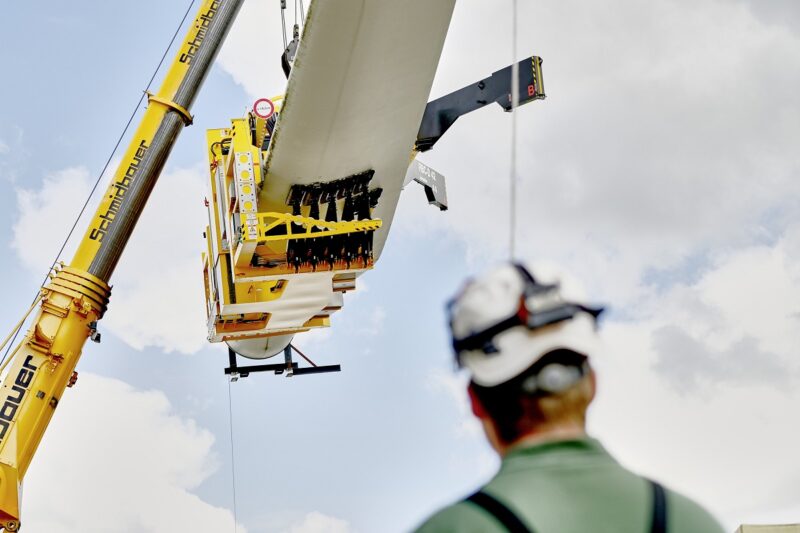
513	524
659	509
500	512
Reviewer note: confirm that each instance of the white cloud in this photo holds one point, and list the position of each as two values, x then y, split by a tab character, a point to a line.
313	338
158	286
117	459
672	196
663	177
710	413
316	522
454	386
665	151
255	37
45	216
712	422
649	149
4	148
158	297
483	464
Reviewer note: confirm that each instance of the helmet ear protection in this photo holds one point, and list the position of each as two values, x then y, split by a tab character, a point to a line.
540	305
554	378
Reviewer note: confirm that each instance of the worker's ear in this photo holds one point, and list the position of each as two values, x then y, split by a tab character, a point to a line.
477	407
592	384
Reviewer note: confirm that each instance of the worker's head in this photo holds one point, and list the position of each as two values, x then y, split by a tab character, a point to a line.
525	338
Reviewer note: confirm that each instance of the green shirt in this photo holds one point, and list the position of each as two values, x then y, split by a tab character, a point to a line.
571	487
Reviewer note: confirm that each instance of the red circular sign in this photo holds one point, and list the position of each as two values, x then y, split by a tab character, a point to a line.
264	108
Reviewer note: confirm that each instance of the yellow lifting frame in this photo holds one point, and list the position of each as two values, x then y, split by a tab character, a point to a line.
269	221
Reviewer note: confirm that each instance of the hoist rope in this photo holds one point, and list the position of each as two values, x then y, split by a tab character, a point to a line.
514	104
230	398
300	11
15	330
283	24
233	454
102	172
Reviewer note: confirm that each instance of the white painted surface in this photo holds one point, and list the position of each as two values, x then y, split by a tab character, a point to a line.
356	95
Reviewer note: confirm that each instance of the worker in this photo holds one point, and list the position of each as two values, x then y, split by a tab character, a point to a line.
526	343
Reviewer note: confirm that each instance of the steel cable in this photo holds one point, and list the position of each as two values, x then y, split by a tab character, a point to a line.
514	104
283	24
233	454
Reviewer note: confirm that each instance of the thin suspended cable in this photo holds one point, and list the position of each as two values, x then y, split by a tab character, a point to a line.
514	104
233	455
105	167
22	321
302	14
15	331
295	12
283	24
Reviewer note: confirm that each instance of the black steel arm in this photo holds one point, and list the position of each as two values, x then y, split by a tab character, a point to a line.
289	366
441	113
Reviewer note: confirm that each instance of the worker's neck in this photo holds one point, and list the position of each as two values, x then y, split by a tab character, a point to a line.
550	434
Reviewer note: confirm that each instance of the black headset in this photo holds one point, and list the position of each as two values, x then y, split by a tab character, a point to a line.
540	305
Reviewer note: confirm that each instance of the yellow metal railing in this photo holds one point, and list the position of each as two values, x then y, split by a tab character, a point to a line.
312	228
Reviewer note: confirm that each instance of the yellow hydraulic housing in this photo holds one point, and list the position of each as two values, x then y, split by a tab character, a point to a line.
43	364
41	367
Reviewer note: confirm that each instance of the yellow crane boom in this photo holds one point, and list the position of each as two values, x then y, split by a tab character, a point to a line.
42	365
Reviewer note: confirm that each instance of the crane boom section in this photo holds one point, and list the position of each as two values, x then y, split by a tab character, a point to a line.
43	363
166	114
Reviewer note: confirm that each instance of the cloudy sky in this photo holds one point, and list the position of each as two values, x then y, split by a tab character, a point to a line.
662	170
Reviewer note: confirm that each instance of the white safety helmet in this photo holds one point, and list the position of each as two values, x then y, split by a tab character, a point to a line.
505	321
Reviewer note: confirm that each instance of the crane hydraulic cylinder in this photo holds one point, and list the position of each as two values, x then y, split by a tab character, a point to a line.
43	364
